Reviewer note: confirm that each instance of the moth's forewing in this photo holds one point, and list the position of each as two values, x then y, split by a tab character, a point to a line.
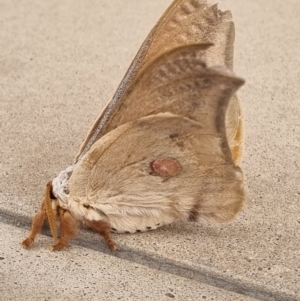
209	183
177	82
185	22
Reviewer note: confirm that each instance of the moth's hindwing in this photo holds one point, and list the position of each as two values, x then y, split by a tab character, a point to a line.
116	182
166	166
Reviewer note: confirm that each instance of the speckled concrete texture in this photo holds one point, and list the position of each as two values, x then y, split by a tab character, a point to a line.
83	274
60	62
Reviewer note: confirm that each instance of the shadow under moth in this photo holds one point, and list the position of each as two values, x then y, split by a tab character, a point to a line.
168	146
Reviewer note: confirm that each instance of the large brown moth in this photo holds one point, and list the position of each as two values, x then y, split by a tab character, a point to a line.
167	147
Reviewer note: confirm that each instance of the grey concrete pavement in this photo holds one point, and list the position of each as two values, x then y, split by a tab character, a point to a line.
84	274
60	62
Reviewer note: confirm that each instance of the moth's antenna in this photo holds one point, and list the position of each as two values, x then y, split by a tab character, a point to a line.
50	213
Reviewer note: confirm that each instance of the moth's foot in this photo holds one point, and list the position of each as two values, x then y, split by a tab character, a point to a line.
62	243
103	228
27	242
112	245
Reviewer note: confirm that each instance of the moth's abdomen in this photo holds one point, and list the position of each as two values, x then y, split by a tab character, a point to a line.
128	219
135	218
134	224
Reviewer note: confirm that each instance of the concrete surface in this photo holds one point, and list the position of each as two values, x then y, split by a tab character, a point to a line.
60	62
84	274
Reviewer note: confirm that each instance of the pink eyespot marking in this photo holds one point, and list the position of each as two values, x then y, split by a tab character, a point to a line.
166	167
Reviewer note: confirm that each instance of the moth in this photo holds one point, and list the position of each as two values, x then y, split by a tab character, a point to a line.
168	146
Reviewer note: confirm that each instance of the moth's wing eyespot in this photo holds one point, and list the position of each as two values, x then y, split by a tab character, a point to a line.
165	167
185	22
114	175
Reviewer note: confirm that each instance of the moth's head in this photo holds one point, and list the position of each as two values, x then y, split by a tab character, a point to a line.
51	194
60	186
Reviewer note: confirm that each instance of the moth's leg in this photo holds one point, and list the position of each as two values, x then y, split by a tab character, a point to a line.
68	229
37	223
102	228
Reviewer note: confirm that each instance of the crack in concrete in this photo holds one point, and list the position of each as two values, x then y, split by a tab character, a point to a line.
162	264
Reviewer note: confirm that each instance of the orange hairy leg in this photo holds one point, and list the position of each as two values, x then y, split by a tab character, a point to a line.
37	223
68	229
103	228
